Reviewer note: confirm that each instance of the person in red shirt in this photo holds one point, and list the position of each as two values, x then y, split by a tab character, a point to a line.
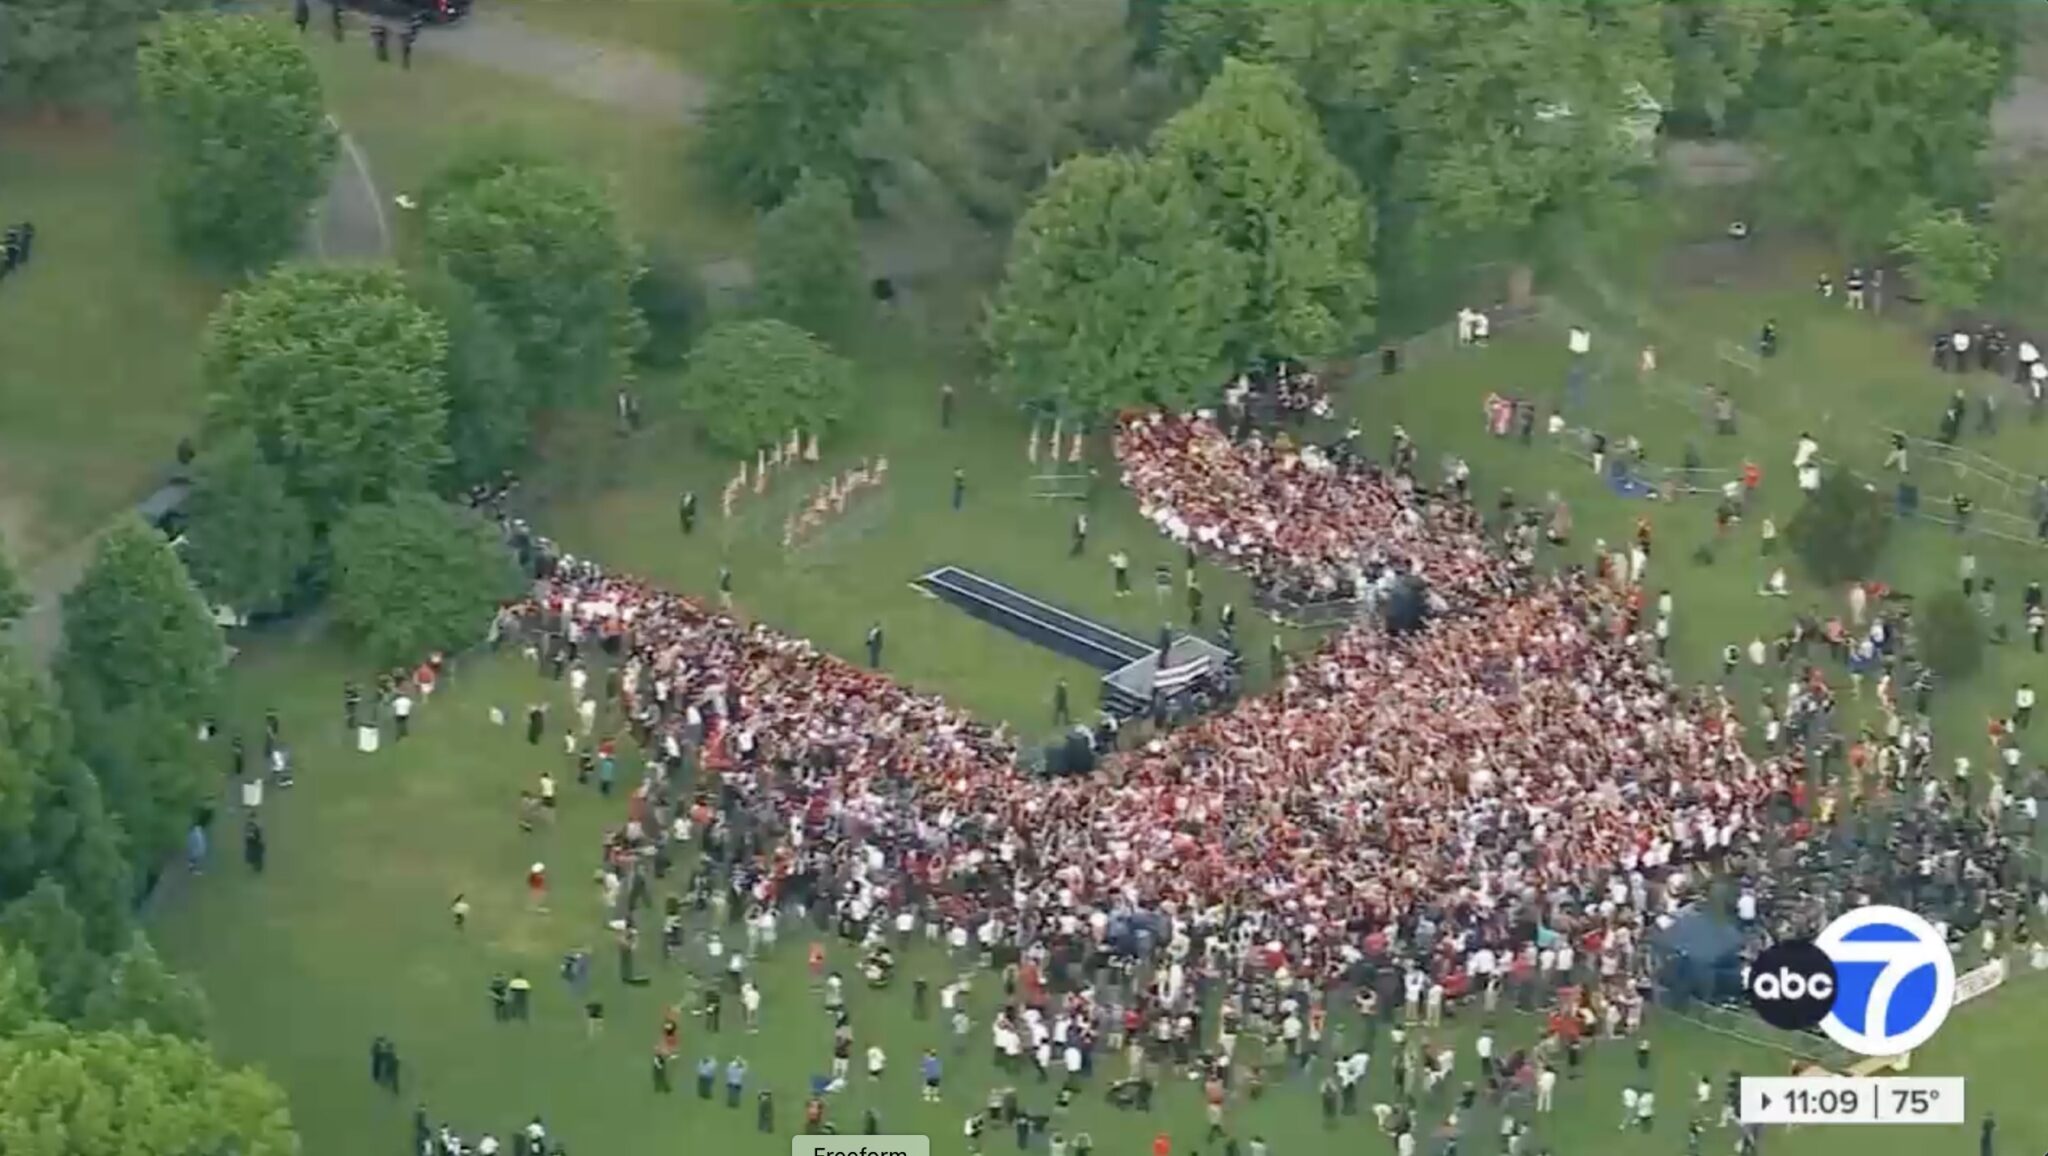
1161	1145
537	886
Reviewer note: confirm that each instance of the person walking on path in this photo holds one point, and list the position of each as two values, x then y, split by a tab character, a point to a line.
302	14
405	42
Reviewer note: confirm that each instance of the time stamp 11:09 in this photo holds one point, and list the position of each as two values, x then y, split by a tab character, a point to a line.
1852	1100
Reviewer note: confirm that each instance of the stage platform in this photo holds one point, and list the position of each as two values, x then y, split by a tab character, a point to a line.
1131	667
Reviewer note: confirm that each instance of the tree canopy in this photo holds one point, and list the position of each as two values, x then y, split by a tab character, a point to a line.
1717	48
71	51
43	926
2019	229
14	598
139	992
122	1093
807	258
1253	157
139	667
1840	529
749	383
53	823
544	251
415	574
1117	290
236	108
1871	107
492	402
962	147
1952	260
801	77
247	536
337	372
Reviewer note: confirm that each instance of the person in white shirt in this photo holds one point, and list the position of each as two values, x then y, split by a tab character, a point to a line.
1433	1005
1483	1048
401	712
1580	341
876	1061
1646	1109
1805	452
1412	985
1546	1089
750	1005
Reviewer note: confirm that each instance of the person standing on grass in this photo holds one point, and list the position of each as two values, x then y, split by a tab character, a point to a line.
735	1081
302	14
1120	572
686	512
875	646
1080	540
707	1077
1061	715
401	712
959	487
725	588
946	406
255	850
536	722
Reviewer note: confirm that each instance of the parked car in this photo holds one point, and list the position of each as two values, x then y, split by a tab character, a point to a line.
429	11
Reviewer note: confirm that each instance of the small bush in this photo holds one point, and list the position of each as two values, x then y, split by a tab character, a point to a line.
671	298
1951	635
1840	530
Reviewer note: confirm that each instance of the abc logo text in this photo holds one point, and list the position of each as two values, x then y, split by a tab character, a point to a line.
1877	981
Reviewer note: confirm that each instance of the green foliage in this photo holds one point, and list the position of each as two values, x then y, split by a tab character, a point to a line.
246	536
14	598
139	993
1872	108
1197	36
751	382
543	249
1952	259
414	574
1951	635
1840	529
800	80
669	295
236	106
136	631
139	668
42	926
53	824
491	401
807	257
1118	291
70	51
1717	48
21	994
124	1093
2019	230
337	372
1254	159
963	147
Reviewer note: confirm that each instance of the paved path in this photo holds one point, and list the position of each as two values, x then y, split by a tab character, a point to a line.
349	224
643	83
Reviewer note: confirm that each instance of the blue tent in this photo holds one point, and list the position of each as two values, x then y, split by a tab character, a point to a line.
1698	957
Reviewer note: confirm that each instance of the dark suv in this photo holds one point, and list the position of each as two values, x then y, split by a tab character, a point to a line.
427	11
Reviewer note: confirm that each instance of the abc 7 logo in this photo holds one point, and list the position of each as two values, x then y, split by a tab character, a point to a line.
1878	981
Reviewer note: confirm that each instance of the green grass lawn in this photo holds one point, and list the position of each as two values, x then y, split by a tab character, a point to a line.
98	377
410	124
347	936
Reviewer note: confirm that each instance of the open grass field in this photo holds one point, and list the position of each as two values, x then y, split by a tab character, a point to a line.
87	423
346	935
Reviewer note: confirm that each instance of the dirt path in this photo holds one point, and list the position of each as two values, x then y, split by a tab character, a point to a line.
636	81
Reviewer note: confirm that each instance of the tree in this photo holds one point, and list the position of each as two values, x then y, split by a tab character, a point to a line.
121	1093
1252	154
1527	117
1951	635
14	600
338	374
491	401
1195	37
139	992
669	295
53	824
247	537
135	630
139	666
236	107
807	257
1117	291
1717	48
1952	260
1871	108
21	994
2019	230
543	250
961	148
414	574
70	51
749	383
800	79
1840	529
42	925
